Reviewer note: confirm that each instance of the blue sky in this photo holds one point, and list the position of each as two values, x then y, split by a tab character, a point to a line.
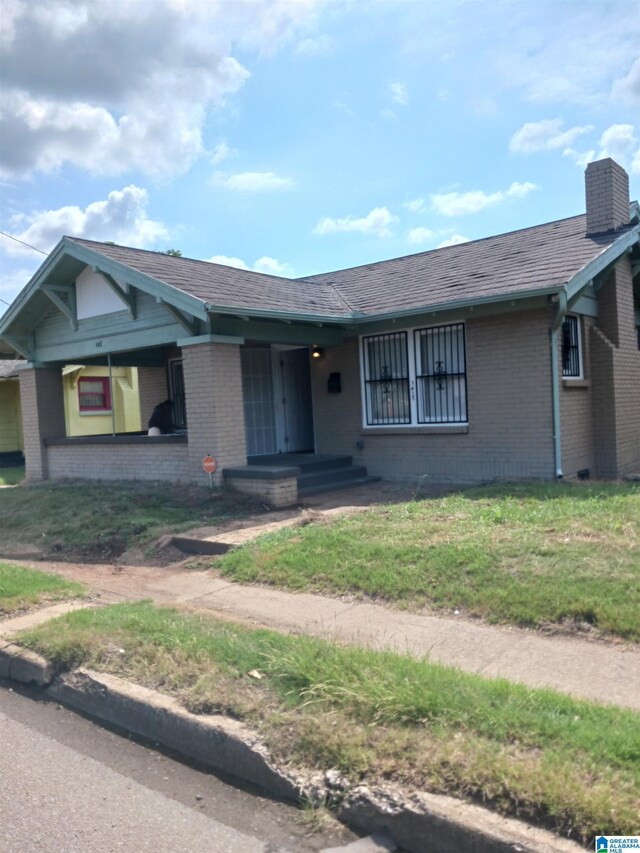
300	136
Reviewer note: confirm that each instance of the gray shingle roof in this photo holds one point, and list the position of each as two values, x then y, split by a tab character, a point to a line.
540	257
225	286
516	263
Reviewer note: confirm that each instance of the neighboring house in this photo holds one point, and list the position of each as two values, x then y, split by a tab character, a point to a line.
10	419
94	403
97	404
511	357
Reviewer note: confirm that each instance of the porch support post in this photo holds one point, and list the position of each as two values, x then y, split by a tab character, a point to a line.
215	410
42	403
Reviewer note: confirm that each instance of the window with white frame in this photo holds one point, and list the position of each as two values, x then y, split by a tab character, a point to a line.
94	394
415	377
571	348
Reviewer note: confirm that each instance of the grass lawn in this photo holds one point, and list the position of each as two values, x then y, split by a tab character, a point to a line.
21	588
376	716
99	521
11	475
528	555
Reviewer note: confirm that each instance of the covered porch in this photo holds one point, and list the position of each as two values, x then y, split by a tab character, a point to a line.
248	385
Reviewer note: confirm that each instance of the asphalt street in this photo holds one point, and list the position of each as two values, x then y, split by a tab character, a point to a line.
67	785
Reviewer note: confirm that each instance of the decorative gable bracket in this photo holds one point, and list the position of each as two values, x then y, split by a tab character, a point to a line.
189	324
55	292
23	344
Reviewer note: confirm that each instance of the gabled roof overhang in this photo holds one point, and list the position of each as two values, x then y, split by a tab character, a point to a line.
601	264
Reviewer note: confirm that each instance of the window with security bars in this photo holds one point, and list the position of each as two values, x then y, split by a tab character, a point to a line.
386	379
93	394
441	379
571	357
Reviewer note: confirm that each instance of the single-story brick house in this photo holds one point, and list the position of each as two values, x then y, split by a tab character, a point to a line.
510	357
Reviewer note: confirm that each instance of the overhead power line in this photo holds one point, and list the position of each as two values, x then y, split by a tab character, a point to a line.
28	245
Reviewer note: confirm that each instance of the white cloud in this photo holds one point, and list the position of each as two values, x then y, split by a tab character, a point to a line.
269	266
220	153
456	240
420	235
457	204
545	135
581	157
251	182
417	205
619	141
228	261
627	88
375	222
318	46
125	85
399	94
547	58
121	217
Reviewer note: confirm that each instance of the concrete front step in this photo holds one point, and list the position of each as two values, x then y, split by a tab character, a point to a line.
318	472
330	475
307	462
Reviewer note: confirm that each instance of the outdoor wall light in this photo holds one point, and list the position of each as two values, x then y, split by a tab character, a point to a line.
316	352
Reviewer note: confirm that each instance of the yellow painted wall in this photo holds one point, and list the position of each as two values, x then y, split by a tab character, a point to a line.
10	416
125	402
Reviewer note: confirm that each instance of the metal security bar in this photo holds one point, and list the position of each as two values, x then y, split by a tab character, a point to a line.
176	391
441	378
571	347
386	379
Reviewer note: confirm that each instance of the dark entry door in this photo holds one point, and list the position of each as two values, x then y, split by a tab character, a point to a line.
295	423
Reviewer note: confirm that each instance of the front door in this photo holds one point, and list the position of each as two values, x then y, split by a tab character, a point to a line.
294	414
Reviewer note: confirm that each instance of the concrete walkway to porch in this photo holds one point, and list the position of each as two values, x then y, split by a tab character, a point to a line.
604	672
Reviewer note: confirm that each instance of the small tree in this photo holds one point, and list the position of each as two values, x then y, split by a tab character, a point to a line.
175	253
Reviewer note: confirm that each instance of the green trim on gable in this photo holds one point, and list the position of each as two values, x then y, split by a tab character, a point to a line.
600	264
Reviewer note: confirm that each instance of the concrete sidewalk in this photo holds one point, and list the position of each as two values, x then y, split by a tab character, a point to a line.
608	673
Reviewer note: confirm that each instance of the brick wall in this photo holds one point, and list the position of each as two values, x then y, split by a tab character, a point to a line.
42	405
215	411
576	409
510	432
147	461
277	493
615	365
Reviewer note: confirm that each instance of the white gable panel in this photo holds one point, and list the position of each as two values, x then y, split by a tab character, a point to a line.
94	296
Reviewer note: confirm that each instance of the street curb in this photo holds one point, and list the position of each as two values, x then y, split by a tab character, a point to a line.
419	822
22	665
213	741
422	822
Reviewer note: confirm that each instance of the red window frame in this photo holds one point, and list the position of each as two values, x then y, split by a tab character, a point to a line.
105	405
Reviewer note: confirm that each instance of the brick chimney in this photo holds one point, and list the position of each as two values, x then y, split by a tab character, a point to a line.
607	192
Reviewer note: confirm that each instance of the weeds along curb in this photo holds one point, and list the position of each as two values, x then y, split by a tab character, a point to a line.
419	822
